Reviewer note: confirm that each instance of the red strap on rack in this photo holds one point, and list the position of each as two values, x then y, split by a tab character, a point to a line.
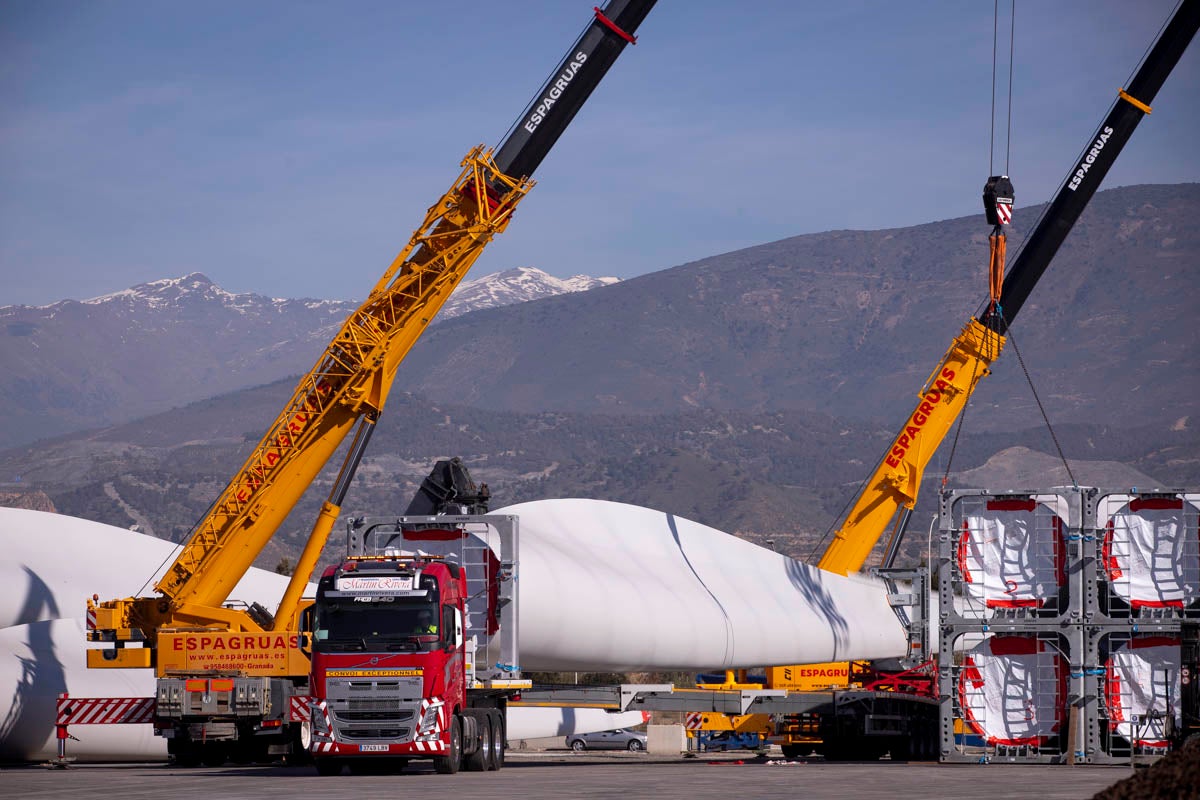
612	26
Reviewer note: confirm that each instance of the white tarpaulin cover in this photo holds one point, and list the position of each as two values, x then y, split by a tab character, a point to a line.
1006	560
617	587
1151	550
49	565
1142	683
1012	690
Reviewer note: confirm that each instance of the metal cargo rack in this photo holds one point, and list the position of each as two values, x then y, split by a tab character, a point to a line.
1052	601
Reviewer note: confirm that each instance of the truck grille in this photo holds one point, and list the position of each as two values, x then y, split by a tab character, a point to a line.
374	710
360	734
369	716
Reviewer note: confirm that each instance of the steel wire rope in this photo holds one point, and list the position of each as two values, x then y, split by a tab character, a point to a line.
982	308
849	502
962	415
179	545
995	61
524	111
1038	400
992	123
991	164
1012	37
991	305
1149	47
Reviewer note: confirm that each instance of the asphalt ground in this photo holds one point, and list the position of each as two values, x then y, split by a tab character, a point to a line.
541	775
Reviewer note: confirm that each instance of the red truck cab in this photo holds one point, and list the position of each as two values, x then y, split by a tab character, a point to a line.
394	645
387	661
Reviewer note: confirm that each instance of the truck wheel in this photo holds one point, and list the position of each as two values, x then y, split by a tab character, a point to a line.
480	760
186	753
496	721
248	750
214	754
449	763
328	766
579	745
298	745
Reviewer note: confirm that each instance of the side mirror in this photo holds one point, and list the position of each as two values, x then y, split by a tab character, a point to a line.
306	626
446	629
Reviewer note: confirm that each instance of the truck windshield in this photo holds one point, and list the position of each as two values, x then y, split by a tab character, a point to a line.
375	623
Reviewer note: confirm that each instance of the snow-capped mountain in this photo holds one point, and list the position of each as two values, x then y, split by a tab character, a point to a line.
105	360
108	359
195	289
517	285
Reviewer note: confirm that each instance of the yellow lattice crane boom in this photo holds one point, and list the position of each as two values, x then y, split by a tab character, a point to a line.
350	383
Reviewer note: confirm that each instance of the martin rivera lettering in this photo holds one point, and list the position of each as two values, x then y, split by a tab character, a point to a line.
1090	159
556	89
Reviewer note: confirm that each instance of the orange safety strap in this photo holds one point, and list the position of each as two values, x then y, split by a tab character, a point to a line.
998	242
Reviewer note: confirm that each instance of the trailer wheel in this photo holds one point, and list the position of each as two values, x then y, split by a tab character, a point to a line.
496	720
185	752
480	760
214	754
449	763
248	749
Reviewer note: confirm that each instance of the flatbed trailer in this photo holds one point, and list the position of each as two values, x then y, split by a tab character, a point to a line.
864	723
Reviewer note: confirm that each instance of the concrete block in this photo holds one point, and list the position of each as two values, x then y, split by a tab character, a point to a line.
665	740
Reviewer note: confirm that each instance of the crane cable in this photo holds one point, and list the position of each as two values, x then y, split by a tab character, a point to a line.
1041	408
998	194
995	52
997	243
998	201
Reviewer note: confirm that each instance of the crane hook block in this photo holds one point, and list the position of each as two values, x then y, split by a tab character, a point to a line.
998	200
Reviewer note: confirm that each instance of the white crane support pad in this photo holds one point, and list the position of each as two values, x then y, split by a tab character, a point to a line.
1141	688
1012	690
1151	550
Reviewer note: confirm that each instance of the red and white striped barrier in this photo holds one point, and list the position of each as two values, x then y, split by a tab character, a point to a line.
97	711
103	710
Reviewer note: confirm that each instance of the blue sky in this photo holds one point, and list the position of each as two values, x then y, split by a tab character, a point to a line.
289	148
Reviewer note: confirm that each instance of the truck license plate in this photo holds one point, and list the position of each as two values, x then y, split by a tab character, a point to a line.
372	748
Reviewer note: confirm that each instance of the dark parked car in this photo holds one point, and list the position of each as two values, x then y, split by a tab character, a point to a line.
620	739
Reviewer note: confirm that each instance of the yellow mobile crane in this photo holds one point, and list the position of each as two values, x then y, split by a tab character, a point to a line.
227	675
896	481
888	496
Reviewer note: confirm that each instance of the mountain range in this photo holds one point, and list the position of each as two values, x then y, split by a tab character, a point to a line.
852	323
780	476
81	364
751	391
846	321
